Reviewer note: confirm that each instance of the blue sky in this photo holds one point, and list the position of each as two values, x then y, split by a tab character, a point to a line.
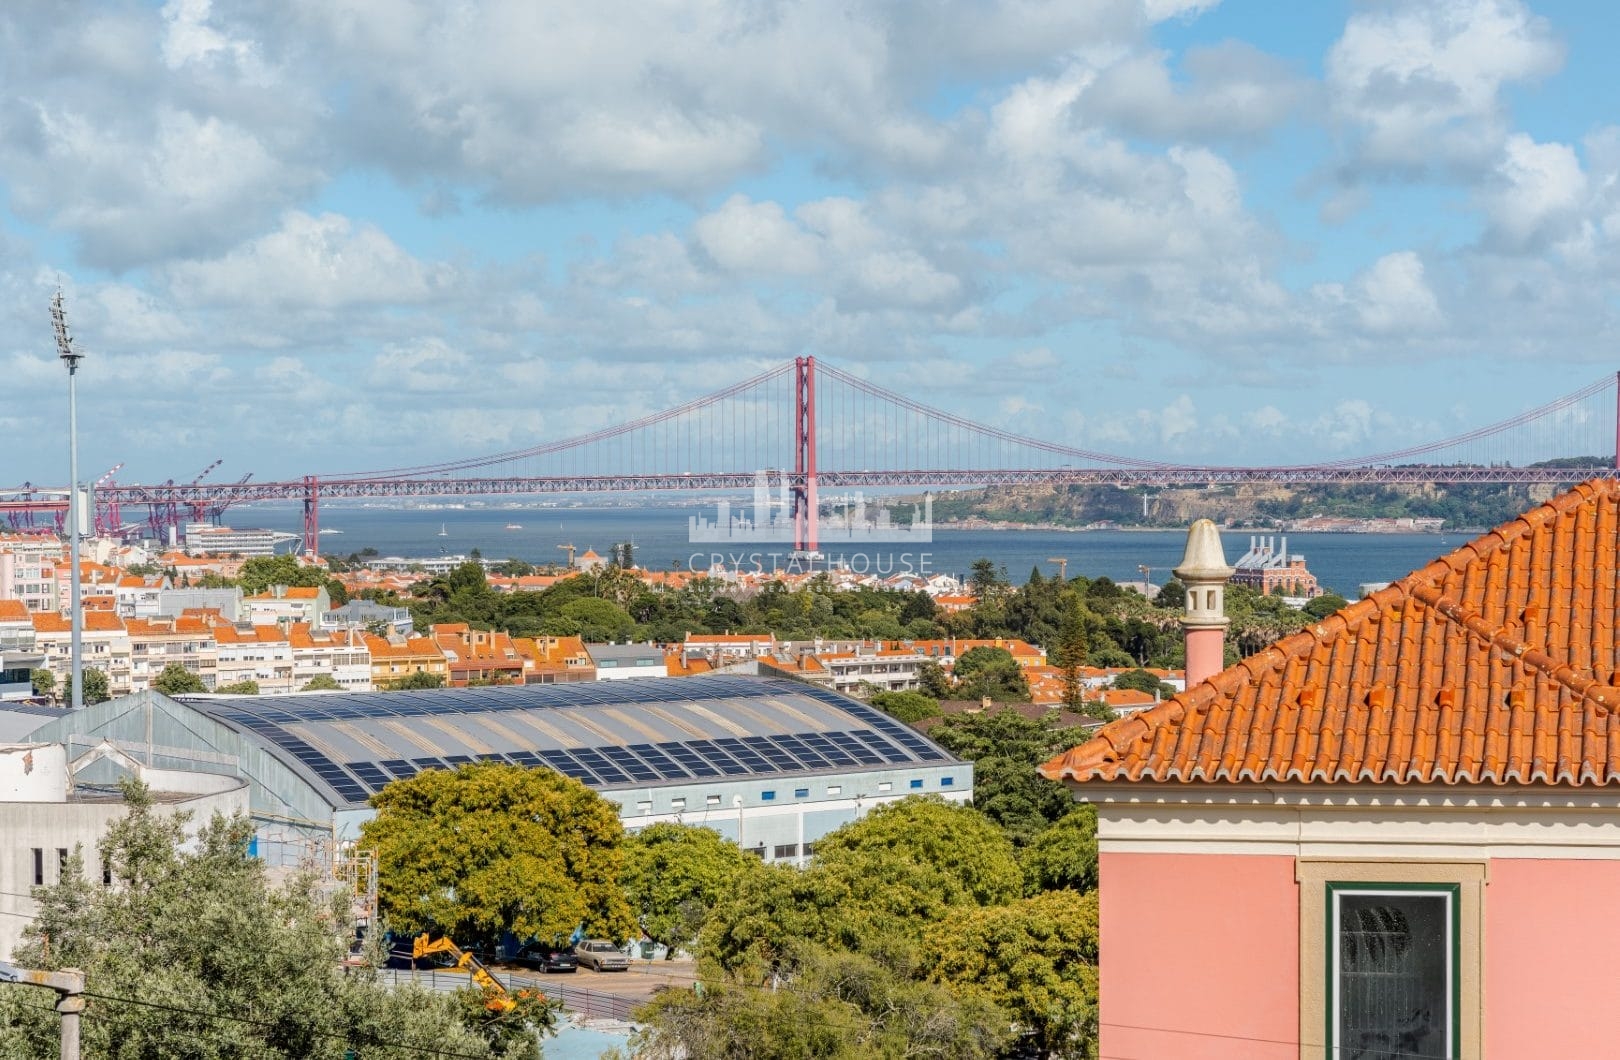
332	235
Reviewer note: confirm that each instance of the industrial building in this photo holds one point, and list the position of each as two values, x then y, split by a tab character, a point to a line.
771	763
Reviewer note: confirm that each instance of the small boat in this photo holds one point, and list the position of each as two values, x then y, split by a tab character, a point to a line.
442	531
329	530
514	526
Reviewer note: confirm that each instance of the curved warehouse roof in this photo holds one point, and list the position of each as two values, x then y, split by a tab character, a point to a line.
636	733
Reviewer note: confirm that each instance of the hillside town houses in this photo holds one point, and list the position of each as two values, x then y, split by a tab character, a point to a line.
281	639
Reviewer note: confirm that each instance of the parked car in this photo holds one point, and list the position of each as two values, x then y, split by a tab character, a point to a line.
547	959
601	955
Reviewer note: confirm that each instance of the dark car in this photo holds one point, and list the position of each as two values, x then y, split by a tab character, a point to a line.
547	959
602	956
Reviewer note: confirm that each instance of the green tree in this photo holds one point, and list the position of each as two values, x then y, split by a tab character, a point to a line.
259	573
245	687
675	874
821	1004
1069	653
95	687
909	707
176	680
43	682
195	930
992	672
419	679
1324	605
322	683
1005	748
598	620
1036	959
1064	856
1141	681
932	680
492	848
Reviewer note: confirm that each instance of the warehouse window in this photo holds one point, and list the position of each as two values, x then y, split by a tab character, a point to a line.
946	782
767	796
39	866
883	786
801	793
916	783
787	850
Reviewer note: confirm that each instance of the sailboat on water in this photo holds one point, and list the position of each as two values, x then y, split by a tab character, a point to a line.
442	531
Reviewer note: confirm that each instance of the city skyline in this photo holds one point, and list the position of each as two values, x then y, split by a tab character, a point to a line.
319	237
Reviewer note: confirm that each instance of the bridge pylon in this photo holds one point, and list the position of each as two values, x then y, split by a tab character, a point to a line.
804	454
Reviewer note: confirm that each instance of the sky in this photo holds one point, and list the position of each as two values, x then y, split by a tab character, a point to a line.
312	236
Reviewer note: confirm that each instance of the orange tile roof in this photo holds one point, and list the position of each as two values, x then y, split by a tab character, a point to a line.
58	622
13	611
1494	664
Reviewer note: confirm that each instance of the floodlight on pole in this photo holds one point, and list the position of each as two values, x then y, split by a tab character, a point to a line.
71	357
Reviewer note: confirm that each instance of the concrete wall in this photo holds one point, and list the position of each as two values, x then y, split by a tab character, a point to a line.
1200	956
52	828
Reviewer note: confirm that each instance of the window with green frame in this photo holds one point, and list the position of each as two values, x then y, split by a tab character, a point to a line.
1392	970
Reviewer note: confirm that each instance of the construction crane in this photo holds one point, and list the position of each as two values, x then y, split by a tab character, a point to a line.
1063	566
570	550
107	521
1147	578
497	998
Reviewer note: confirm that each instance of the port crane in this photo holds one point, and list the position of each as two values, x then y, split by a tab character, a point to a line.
570	550
1062	565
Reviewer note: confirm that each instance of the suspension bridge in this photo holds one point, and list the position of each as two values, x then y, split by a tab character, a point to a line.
822	427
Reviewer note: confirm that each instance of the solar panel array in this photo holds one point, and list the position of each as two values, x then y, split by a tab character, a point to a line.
853	737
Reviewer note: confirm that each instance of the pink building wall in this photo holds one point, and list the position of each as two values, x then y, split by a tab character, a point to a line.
1200	957
1551	940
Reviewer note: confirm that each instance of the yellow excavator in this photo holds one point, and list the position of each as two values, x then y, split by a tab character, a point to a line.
499	999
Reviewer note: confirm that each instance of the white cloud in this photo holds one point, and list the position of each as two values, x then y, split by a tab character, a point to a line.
320	262
1418	85
1393	297
1537	193
758	238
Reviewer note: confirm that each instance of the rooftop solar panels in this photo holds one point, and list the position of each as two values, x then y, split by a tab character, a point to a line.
677	730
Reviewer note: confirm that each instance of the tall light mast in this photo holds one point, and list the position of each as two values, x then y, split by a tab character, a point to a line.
71	357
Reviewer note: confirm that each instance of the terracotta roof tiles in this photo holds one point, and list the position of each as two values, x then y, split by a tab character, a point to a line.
1498	664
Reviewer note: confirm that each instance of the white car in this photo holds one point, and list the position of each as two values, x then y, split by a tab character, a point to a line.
600	955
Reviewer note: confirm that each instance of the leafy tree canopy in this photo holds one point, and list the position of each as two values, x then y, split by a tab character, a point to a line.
43	682
198	930
248	687
1142	681
993	672
176	680
909	707
96	688
1324	605
823	1005
675	874
419	679
322	683
492	848
1005	747
1064	856
259	573
1036	959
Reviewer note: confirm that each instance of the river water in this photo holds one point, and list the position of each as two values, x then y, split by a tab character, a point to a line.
1341	562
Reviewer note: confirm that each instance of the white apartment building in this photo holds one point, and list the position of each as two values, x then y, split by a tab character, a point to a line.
283	605
254	653
872	668
340	654
204	538
106	642
135	596
28	565
156	643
